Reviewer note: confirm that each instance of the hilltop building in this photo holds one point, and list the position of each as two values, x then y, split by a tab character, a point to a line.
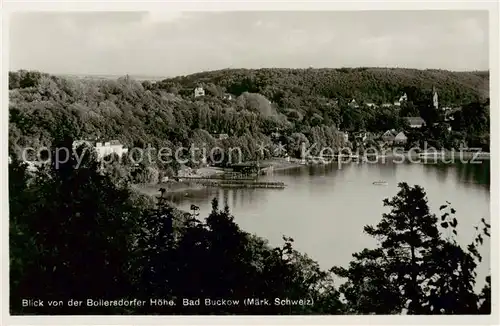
199	91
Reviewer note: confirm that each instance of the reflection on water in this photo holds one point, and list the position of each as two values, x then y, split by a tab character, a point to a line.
474	177
474	173
387	169
441	171
324	208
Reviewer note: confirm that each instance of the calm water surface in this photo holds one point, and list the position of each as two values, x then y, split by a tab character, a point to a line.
324	208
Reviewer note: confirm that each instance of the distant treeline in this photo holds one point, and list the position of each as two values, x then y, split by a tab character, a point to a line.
376	85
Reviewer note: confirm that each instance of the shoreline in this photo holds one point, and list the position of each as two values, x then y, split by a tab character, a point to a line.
191	185
153	189
441	155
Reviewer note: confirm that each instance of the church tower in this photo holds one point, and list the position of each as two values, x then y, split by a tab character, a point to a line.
435	101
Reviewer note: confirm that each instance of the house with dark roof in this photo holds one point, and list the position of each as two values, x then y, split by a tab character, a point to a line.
415	122
400	138
402	99
389	136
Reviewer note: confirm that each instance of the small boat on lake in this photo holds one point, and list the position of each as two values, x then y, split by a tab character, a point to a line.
380	183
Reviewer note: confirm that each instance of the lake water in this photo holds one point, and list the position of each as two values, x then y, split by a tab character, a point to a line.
324	208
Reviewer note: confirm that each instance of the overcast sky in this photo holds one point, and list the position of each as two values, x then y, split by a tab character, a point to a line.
169	44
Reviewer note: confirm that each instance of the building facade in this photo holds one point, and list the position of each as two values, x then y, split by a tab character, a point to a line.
103	149
199	91
107	148
435	100
415	122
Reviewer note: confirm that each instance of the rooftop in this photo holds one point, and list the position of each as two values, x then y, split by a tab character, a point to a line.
415	120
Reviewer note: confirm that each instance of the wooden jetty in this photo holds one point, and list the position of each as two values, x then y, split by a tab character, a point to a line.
267	185
239	183
222	177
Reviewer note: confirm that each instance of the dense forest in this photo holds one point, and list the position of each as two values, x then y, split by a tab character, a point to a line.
301	104
75	234
378	85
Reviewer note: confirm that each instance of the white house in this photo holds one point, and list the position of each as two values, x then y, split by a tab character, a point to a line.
199	91
107	148
103	149
220	136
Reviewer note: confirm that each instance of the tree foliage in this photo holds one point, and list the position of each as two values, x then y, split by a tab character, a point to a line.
415	269
76	235
312	102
